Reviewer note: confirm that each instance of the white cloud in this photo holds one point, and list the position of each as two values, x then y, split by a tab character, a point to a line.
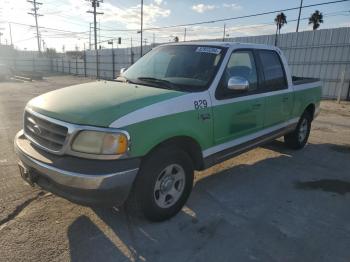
158	2
130	17
233	6
201	8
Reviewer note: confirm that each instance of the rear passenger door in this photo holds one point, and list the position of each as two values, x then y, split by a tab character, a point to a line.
279	100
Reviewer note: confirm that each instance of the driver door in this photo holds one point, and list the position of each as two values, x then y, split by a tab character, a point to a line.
238	115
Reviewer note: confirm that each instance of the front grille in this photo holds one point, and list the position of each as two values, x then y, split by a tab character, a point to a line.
45	133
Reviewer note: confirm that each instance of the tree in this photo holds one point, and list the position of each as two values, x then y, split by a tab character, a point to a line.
280	21
176	39
316	19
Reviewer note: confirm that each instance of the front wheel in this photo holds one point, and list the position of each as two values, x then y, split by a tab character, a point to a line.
164	184
298	138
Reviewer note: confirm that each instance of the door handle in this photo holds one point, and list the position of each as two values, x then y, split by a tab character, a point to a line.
256	106
285	99
205	116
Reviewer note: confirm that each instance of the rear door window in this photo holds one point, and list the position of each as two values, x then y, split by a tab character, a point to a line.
273	71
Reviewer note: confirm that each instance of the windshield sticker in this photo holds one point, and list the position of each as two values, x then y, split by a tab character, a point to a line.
210	50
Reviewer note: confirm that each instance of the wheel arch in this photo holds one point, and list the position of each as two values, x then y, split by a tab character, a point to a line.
185	143
310	109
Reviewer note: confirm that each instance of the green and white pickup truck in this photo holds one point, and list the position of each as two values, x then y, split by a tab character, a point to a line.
180	108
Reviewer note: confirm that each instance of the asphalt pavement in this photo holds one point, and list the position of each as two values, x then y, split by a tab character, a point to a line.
269	204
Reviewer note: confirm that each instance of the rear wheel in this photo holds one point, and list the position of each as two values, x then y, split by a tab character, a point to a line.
298	138
164	184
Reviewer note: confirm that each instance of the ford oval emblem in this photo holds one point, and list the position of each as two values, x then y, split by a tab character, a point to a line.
37	129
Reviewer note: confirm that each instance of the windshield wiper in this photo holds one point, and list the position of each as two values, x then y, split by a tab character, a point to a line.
167	83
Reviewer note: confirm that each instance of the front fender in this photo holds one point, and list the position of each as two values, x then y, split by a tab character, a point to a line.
148	134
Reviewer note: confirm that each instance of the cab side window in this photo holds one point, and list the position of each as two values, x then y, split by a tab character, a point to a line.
272	68
241	64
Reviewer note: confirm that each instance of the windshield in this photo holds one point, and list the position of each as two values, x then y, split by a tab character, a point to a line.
182	67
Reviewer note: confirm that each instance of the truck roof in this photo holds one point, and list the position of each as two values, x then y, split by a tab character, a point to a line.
226	44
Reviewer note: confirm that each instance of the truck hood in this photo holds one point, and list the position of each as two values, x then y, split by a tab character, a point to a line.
98	103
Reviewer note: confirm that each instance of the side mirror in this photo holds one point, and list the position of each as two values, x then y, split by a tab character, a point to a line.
238	84
122	70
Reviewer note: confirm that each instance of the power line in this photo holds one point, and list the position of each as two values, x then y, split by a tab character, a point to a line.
247	16
67	33
233	18
228	29
67	19
218	30
26	39
35	14
48	28
62	33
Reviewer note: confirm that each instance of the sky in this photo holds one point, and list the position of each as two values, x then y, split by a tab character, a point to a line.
65	24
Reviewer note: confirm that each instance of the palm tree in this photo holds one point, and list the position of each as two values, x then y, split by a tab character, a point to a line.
280	21
316	19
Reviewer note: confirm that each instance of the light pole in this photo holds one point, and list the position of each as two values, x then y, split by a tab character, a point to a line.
141	25
44	47
110	42
223	38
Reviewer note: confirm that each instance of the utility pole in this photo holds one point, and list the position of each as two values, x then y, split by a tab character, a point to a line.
95	4
154	39
185	33
35	14
141	26
10	34
223	38
131	52
90	36
301	6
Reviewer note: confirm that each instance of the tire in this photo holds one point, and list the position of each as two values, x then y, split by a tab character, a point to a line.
298	138
163	184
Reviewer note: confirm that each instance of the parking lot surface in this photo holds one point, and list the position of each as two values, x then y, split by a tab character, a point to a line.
269	204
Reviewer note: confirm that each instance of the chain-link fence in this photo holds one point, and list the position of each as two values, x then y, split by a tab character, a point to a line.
323	54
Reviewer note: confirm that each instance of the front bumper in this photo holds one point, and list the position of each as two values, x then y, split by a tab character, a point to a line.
84	181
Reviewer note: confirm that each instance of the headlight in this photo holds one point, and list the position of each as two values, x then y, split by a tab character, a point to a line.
102	143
